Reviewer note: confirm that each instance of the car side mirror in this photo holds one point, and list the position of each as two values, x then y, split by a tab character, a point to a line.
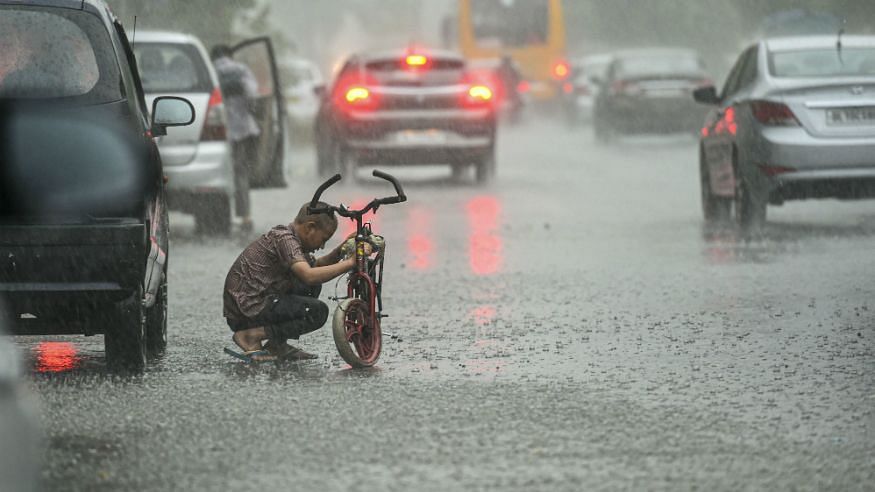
170	111
319	90
706	95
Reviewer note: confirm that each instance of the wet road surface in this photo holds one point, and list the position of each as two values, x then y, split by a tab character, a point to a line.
572	326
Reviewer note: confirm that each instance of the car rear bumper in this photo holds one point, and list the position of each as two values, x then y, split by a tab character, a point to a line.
799	166
420	137
210	171
52	278
657	114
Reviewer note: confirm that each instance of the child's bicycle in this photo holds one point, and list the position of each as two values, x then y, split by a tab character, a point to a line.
356	324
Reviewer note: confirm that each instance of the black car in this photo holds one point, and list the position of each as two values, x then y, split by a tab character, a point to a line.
406	107
83	220
650	91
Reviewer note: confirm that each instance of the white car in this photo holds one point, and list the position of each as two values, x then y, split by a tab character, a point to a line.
197	158
19	462
301	79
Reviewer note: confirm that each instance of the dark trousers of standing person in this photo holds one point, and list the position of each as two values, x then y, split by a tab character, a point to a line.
244	153
288	316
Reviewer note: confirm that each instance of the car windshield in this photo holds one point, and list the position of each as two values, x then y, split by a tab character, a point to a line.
658	65
825	62
49	53
394	72
167	67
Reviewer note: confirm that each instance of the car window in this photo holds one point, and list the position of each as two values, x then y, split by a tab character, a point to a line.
56	53
823	63
733	80
659	65
500	23
395	72
171	67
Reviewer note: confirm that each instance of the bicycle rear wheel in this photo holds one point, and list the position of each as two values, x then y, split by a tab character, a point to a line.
358	340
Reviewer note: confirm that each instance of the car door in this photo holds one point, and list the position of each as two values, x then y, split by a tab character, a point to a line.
268	109
719	132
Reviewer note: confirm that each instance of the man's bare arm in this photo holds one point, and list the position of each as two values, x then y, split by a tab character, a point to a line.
318	275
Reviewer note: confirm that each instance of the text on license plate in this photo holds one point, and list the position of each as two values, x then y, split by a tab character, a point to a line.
851	116
421	136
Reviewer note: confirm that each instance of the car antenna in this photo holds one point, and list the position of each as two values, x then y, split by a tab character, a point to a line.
134	35
839	41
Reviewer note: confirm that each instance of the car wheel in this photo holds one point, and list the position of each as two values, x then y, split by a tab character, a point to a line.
485	168
714	208
156	323
125	335
213	215
749	212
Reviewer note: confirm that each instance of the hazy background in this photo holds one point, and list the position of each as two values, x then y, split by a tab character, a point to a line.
327	30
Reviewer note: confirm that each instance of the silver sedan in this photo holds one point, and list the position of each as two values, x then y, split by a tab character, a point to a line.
795	120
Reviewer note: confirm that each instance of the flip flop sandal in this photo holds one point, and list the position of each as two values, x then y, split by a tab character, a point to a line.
249	356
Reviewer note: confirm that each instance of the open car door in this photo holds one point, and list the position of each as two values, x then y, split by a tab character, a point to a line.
269	111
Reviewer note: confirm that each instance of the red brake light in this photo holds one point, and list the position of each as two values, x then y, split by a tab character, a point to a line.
214	118
416	60
561	70
567	88
479	95
357	95
773	114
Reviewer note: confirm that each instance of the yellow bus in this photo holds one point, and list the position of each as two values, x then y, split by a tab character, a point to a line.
532	32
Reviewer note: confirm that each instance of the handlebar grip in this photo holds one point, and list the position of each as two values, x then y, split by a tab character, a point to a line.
319	191
398	190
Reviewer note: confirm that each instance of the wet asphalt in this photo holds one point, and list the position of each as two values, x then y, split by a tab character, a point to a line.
571	326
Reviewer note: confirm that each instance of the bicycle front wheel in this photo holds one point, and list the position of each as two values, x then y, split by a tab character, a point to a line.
357	338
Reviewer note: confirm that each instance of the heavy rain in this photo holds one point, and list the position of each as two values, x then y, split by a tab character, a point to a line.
437	245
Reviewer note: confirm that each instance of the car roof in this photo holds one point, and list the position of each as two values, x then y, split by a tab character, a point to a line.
166	37
400	53
795	43
91	5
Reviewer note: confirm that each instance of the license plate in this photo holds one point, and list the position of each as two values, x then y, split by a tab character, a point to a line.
851	116
421	137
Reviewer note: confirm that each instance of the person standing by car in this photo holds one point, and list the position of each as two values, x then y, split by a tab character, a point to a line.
240	89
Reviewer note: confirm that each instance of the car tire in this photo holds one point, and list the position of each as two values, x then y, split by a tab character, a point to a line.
156	323
749	212
714	208
484	169
213	215
125	335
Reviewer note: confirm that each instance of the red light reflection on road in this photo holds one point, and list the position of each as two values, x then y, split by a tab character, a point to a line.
420	246
484	244
483	315
56	357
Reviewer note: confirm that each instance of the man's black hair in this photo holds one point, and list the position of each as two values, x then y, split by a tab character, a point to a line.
220	50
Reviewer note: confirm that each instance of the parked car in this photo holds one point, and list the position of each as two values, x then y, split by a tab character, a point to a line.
302	82
794	121
83	220
648	91
197	158
581	89
406	107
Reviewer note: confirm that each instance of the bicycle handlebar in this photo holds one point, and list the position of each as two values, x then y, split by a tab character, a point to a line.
399	197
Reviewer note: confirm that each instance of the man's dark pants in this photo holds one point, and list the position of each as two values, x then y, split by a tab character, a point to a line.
288	316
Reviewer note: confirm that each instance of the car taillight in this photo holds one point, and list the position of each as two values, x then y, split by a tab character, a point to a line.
773	113
358	97
560	70
479	95
567	88
214	119
416	60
